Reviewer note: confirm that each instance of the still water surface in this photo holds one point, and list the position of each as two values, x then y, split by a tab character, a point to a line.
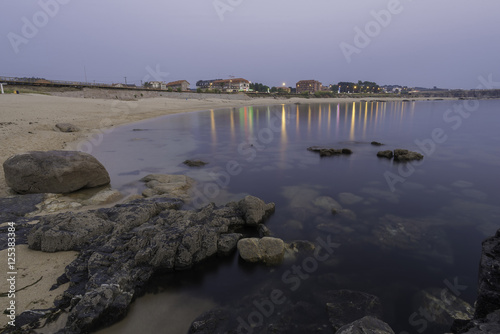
403	228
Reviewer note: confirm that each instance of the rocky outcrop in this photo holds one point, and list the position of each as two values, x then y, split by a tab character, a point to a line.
376	143
385	154
405	155
67	127
121	247
366	325
487	314
400	155
328	152
54	172
268	250
256	210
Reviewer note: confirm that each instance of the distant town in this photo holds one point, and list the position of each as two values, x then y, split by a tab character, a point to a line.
305	88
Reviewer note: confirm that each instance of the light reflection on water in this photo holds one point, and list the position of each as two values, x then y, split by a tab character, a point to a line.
449	203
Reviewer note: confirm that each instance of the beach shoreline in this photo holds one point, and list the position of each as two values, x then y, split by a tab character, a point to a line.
28	121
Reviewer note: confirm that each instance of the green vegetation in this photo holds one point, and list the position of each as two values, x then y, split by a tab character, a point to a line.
260	88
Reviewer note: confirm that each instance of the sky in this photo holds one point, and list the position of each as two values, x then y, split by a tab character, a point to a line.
418	43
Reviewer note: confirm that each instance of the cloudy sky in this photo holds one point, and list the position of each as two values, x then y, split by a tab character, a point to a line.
444	43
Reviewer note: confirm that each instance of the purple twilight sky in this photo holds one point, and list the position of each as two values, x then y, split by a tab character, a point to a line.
444	43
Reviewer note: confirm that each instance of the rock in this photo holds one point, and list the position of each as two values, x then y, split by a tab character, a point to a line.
104	196
376	143
256	210
122	247
301	246
15	207
54	172
68	231
423	238
405	155
366	325
194	163
487	307
327	152
349	199
385	154
444	306
327	203
267	250
488	325
67	127
167	185
249	250
263	230
227	243
488	299
213	321
346	306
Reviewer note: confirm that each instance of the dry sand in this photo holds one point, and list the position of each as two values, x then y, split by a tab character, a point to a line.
27	123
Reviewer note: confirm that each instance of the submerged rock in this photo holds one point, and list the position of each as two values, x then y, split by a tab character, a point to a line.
349	199
327	203
366	325
444	306
346	306
420	237
175	186
54	172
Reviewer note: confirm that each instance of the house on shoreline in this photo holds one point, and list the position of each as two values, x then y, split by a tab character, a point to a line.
183	85
226	85
310	86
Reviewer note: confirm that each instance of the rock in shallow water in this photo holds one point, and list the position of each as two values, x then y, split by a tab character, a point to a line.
268	250
53	172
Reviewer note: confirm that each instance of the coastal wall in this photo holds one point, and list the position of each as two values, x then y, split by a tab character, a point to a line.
125	94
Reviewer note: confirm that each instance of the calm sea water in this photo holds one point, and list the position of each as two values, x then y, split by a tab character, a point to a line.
403	228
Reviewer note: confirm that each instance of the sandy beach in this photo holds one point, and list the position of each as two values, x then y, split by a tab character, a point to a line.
27	123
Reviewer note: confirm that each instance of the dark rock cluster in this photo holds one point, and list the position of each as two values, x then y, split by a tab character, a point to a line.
123	246
328	152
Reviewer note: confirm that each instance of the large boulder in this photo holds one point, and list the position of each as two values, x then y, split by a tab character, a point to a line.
269	250
53	172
